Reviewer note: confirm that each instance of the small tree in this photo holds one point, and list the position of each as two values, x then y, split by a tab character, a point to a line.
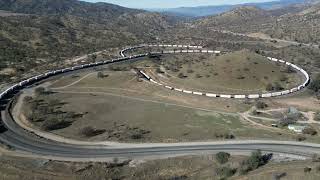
222	157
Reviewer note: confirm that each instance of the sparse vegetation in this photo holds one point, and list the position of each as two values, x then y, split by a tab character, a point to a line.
310	131
225	172
261	105
254	161
222	157
91	131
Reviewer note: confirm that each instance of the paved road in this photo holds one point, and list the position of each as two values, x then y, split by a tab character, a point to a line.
24	141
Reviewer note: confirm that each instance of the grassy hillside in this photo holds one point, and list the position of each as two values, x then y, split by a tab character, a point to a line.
51	31
237	72
299	23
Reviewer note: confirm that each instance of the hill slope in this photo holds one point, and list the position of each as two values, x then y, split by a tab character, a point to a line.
57	29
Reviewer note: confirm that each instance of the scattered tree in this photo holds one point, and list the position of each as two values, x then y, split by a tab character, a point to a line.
222	157
254	161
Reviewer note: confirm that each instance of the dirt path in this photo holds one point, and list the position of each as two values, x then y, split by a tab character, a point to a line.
75	82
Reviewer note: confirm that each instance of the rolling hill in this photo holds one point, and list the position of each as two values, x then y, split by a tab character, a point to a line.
53	30
201	11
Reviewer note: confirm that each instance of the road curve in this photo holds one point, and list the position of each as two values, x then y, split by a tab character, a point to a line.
21	140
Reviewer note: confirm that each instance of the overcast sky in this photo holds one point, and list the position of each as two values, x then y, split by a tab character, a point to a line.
173	3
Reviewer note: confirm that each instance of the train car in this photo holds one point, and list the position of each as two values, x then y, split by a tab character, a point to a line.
169	87
274	59
225	96
239	96
190	51
186	91
253	96
176	89
184	51
276	94
282	61
153	81
197	93
210	51
211	95
217	52
145	75
266	95
196	51
288	63
180	46
293	90
285	92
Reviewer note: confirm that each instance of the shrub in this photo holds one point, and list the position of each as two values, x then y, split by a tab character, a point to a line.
222	157
53	124
181	75
309	130
269	87
225	172
158	70
27	99
90	131
315	84
190	71
301	138
283	78
254	161
198	76
261	105
100	75
278	176
307	169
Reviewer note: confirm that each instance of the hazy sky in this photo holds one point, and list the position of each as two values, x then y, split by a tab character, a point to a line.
172	3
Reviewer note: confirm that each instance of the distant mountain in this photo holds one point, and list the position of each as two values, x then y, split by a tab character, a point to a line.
299	23
214	10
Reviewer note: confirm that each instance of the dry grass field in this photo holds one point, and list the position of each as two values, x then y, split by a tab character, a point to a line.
186	167
127	109
237	72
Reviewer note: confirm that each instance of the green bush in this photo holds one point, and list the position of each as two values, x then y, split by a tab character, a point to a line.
226	172
222	157
254	161
315	84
